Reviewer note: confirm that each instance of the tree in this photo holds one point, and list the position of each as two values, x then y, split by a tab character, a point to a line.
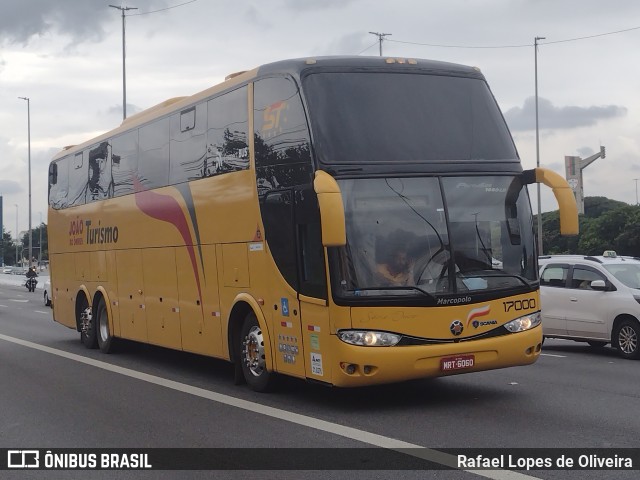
35	239
606	225
8	248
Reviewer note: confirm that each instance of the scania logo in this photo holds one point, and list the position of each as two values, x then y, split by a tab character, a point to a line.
456	327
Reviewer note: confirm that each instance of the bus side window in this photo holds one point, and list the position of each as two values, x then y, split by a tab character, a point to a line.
153	159
58	189
78	179
187	149
283	155
124	158
227	139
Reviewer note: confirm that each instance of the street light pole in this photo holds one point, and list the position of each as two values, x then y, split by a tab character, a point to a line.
636	180
40	244
29	140
124	67
535	45
17	234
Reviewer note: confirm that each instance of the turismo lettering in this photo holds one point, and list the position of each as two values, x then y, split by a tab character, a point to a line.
100	235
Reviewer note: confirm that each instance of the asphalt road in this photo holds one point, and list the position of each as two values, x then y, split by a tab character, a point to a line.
54	393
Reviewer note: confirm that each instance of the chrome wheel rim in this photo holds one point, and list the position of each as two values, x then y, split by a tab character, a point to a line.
253	351
628	340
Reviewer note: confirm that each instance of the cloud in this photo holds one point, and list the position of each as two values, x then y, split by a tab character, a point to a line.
79	19
306	5
351	44
8	187
585	151
552	117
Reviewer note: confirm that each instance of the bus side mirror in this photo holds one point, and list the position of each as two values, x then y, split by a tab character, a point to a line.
334	232
564	196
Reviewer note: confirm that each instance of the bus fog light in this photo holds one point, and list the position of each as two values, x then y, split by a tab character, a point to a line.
369	338
524	323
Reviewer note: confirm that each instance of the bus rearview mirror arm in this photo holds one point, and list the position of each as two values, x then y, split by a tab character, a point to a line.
332	219
563	193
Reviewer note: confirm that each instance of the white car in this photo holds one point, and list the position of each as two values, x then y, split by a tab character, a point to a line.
47	293
593	299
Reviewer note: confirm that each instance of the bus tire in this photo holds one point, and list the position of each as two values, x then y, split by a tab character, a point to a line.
105	339
252	355
626	336
87	325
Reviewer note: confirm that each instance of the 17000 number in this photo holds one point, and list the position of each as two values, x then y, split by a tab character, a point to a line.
517	305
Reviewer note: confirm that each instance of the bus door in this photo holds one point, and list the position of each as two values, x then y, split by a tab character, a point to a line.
301	320
312	284
279	223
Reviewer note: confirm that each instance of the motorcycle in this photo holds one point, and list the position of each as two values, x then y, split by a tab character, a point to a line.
31	284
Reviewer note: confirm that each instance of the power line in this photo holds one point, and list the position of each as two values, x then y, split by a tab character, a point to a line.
372	45
516	46
162	9
591	36
460	46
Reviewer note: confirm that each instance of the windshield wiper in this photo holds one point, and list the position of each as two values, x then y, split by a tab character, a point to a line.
494	273
394	288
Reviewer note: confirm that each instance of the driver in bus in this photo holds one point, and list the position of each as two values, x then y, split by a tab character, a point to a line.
394	264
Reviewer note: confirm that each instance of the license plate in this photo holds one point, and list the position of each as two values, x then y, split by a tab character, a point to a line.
459	362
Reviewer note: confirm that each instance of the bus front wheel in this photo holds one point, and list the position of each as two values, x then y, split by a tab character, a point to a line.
253	357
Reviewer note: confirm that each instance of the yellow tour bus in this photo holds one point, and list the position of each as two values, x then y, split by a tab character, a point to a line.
345	220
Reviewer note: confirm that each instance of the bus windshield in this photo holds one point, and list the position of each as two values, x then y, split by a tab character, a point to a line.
434	236
400	117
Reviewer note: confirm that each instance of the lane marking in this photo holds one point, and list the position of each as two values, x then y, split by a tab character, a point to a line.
41	311
19	301
552	355
291	417
4	306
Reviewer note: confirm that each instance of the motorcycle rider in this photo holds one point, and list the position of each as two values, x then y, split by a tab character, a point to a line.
31	278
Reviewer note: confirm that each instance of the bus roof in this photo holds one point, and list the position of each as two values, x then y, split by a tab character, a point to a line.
296	67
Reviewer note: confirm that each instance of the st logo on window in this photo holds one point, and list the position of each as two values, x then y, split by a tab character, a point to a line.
272	116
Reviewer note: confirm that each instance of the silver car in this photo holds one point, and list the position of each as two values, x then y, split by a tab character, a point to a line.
593	299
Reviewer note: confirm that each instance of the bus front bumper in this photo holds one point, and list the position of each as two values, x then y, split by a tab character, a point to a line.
359	366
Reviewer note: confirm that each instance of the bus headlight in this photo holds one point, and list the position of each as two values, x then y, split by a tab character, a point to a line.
369	338
524	323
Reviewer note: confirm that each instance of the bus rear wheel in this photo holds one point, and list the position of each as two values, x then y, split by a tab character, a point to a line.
87	326
253	356
105	339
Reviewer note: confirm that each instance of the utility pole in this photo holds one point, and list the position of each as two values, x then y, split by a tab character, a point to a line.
17	235
40	244
636	180
535	45
124	68
380	38
29	140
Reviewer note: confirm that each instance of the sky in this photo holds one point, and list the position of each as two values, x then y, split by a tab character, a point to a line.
66	57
